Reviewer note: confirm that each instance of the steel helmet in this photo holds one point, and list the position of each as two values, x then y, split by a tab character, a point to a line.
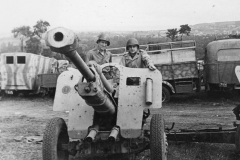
103	37
131	42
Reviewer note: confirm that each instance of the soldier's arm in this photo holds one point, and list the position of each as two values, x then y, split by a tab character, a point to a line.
146	58
122	61
148	61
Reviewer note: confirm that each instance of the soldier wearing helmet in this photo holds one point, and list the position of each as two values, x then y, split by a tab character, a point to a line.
135	57
100	54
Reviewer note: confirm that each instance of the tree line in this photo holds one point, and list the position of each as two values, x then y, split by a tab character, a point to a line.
32	37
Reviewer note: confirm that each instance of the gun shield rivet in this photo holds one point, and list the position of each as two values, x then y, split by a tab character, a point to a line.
87	89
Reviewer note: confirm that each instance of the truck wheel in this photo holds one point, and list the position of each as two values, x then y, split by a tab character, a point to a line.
158	140
165	95
55	134
237	139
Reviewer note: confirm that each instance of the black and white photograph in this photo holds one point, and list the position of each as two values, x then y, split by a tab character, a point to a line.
120	80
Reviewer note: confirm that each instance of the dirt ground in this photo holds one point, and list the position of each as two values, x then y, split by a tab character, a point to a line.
23	119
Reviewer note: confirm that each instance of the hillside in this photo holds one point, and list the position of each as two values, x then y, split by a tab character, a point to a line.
228	27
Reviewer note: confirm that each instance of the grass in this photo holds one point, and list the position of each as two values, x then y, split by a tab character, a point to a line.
12	127
23	125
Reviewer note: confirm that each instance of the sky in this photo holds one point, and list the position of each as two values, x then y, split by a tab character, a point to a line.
116	15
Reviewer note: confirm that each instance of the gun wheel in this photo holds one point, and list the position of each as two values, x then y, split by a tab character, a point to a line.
55	134
158	140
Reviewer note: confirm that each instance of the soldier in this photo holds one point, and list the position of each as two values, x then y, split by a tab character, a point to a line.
100	54
135	57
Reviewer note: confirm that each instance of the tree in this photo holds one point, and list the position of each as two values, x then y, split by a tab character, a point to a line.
22	33
185	29
33	45
172	34
40	28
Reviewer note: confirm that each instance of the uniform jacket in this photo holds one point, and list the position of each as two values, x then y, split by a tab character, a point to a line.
95	55
140	60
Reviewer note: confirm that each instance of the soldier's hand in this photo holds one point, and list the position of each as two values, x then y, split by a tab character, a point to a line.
151	67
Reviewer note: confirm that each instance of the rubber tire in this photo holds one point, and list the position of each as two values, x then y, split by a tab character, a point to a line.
158	147
237	139
166	93
55	133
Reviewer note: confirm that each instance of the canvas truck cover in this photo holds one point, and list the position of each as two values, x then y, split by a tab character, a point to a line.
176	64
19	70
221	58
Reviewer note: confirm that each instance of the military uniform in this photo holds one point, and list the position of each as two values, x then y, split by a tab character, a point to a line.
140	60
95	55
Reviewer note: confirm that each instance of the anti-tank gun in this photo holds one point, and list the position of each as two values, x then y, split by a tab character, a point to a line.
106	115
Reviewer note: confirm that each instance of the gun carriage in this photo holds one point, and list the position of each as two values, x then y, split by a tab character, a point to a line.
108	106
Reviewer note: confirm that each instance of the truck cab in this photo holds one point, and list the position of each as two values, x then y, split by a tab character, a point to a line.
221	59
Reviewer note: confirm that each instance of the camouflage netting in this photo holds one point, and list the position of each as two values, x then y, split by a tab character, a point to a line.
185	70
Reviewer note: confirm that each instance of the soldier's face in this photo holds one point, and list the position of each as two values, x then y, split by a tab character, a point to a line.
102	45
133	49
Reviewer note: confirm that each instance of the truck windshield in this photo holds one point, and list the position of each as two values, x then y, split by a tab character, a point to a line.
229	55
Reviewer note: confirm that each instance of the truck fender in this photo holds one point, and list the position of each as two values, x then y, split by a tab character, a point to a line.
169	85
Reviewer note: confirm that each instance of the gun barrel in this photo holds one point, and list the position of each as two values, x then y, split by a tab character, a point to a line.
64	41
81	65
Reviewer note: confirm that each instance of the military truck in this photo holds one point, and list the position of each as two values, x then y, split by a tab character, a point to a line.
221	58
178	64
24	72
48	81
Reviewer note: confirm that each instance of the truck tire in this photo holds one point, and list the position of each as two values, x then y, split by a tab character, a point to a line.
55	134
165	95
237	139
158	140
